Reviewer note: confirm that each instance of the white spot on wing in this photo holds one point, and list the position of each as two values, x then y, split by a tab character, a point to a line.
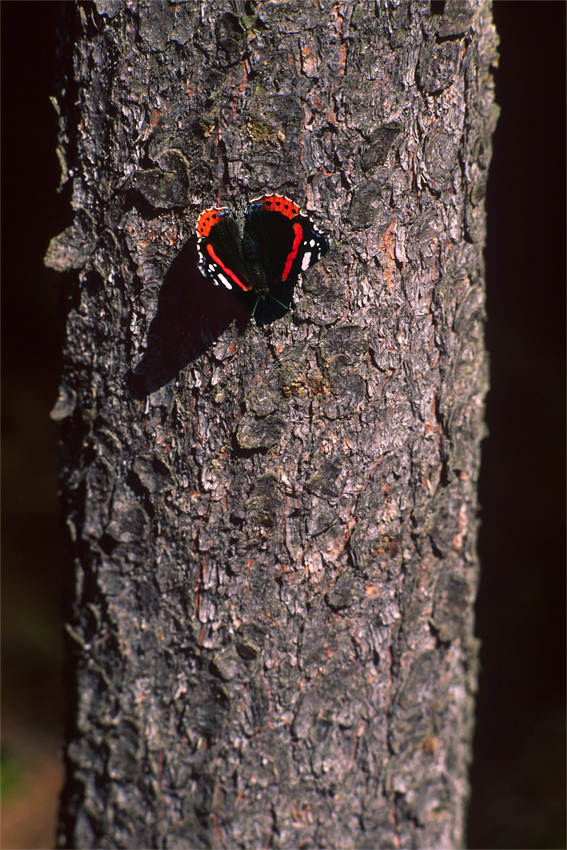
306	262
225	281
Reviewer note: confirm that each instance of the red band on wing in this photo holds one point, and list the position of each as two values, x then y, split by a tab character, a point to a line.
278	203
209	218
214	256
298	230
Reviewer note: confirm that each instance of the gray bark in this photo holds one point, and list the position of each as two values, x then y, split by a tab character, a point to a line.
272	530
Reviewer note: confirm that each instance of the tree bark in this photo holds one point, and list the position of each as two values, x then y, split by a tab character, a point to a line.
272	530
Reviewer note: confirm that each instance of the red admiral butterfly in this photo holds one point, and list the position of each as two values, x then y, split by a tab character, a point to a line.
278	243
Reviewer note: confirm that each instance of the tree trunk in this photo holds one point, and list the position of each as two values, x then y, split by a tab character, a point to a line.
272	530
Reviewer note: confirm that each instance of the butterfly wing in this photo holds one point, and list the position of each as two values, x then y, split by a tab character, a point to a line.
220	251
272	233
290	242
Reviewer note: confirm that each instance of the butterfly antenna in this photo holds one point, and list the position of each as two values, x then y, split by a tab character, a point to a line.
254	308
280	303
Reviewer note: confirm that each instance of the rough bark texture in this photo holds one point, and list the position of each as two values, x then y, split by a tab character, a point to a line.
272	531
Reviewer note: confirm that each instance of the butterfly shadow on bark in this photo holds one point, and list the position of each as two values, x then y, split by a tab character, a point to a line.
192	314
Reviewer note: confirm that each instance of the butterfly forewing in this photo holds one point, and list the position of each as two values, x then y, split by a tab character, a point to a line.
273	233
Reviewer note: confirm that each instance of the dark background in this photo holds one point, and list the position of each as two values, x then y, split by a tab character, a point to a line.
518	776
